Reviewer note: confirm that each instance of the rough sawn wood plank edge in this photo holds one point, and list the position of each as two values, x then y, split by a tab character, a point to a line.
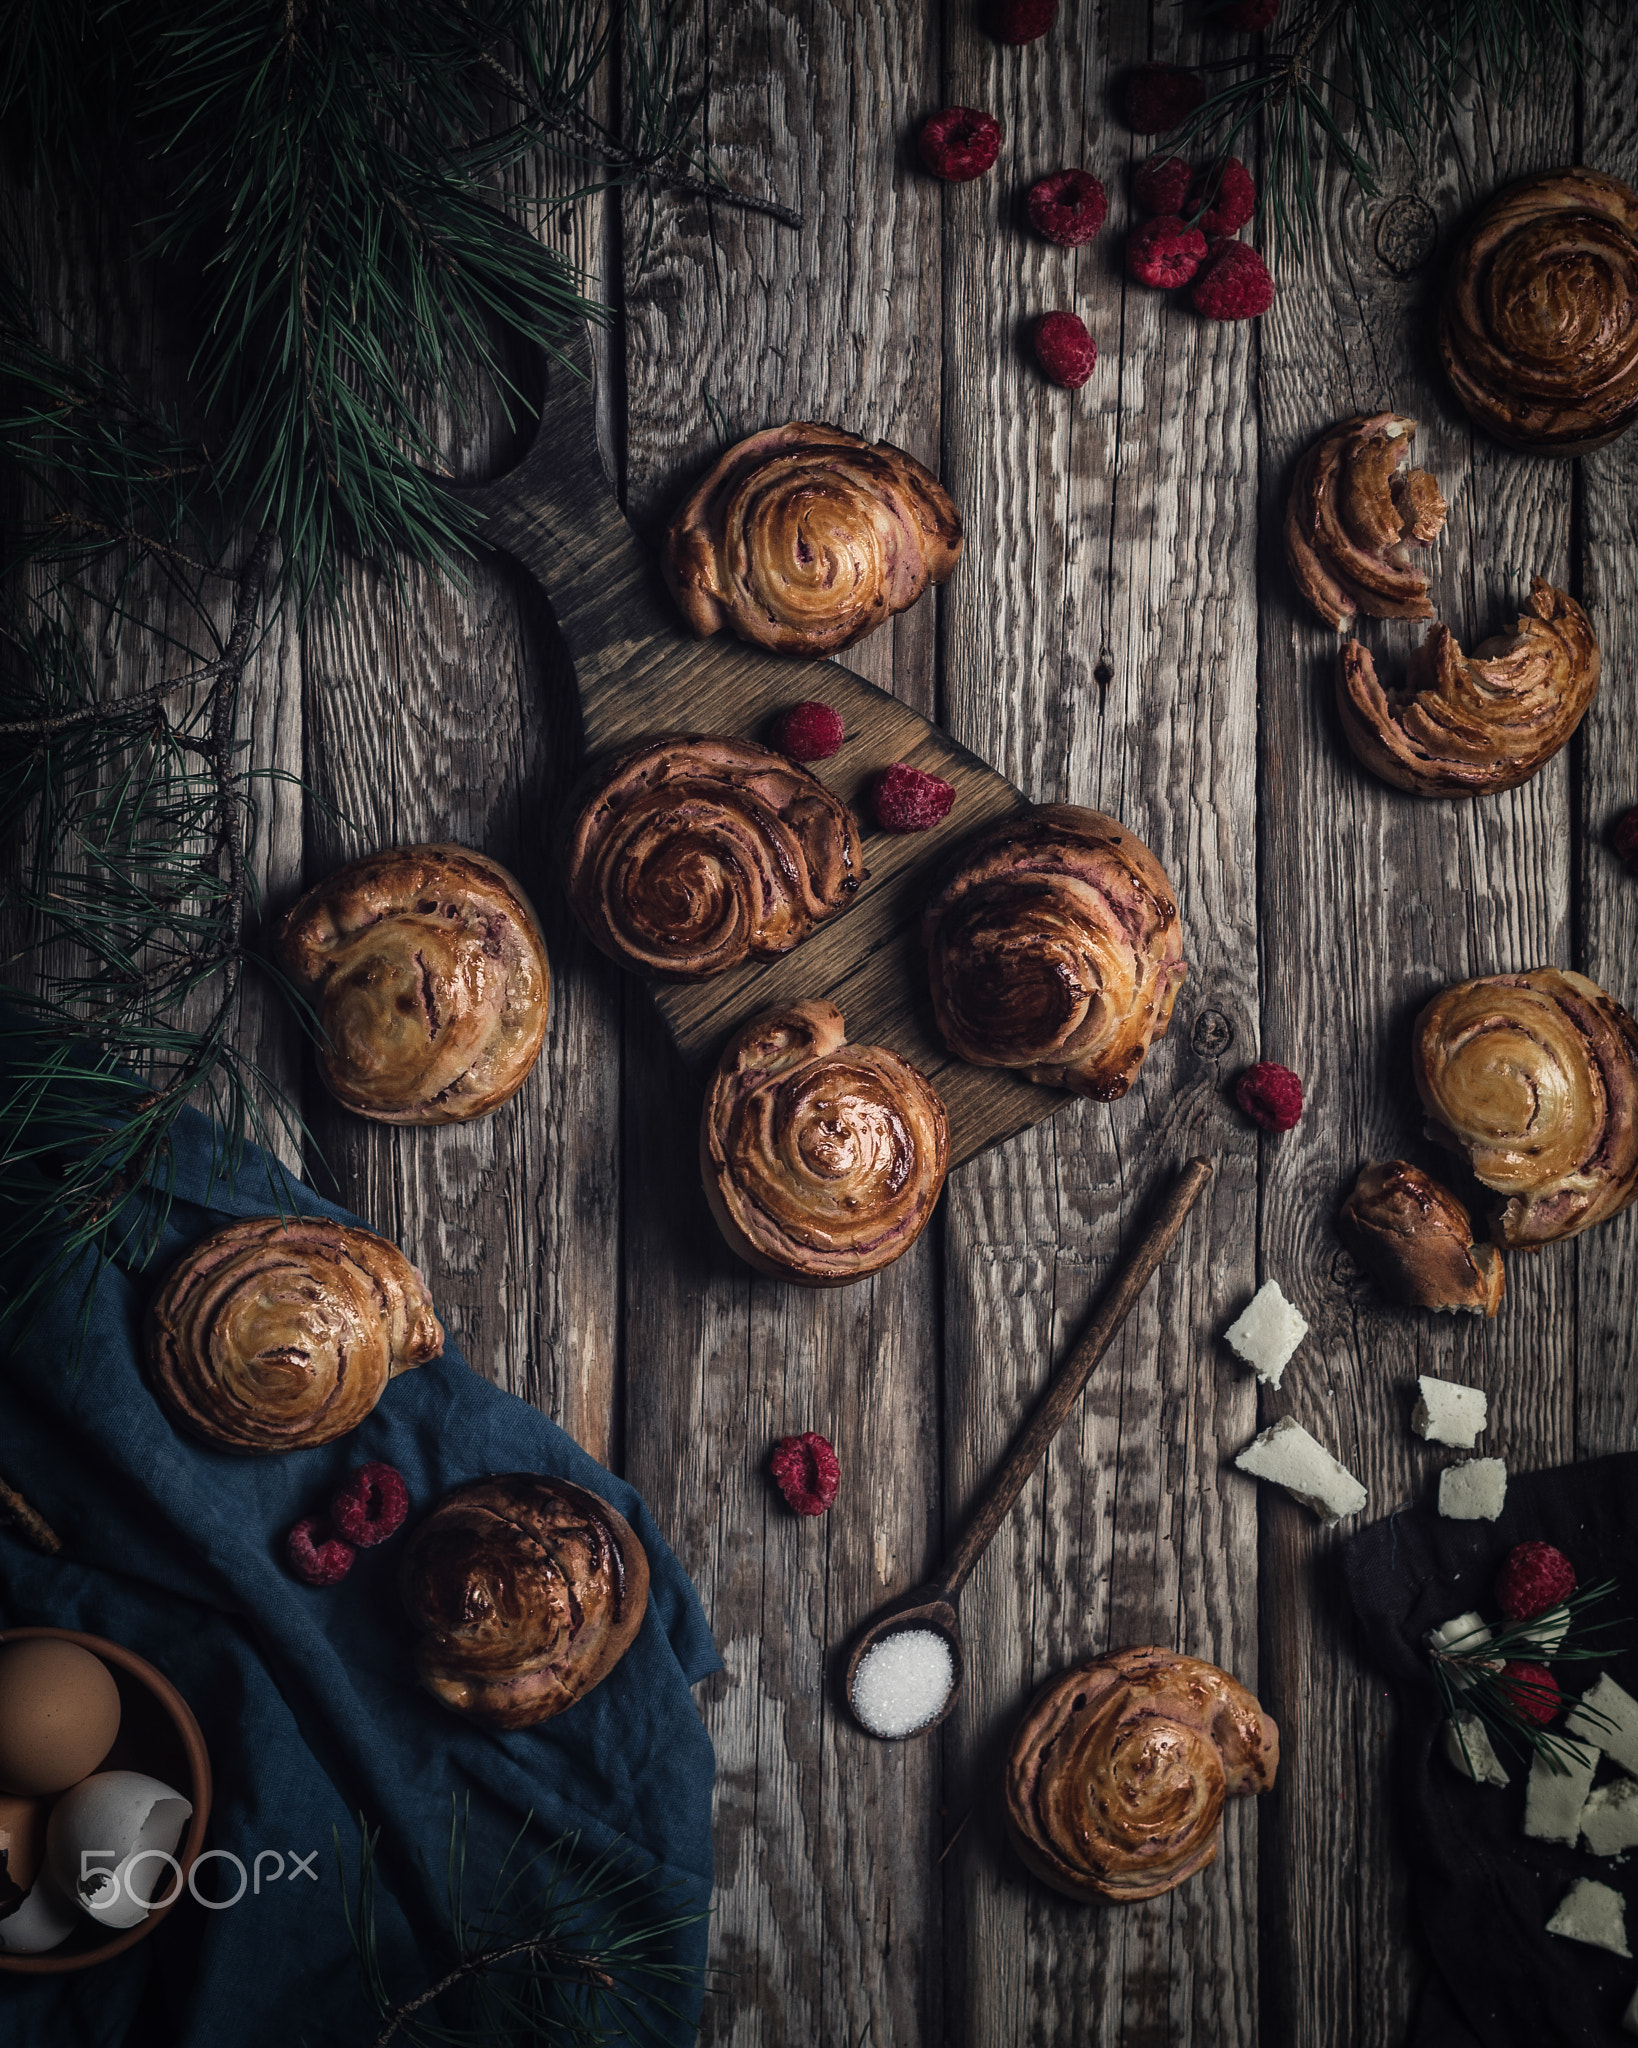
638	675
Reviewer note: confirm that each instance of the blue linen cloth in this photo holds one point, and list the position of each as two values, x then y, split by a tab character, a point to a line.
307	1697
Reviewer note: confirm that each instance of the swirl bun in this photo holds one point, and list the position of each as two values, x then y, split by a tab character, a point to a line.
1539	325
1535	1078
429	974
1472	724
1054	948
1119	1769
805	538
527	1590
689	856
1355	507
1417	1240
822	1160
280	1333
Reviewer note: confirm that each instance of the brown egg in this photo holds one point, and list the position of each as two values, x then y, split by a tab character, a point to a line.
24	1822
59	1714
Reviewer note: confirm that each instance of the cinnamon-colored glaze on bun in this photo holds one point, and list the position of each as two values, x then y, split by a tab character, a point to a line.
1054	947
428	972
1356	506
1472	724
1118	1772
822	1161
804	538
1539	324
527	1592
1417	1240
687	856
1535	1078
281	1332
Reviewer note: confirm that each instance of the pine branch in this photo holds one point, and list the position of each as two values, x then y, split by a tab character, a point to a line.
1474	1680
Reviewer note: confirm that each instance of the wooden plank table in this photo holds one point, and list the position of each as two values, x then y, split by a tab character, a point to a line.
1122	633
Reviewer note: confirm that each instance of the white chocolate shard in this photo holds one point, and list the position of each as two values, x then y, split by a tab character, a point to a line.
1468	1746
1265	1333
1553	1798
1607	1717
1473	1491
1289	1456
1450	1414
1593	1913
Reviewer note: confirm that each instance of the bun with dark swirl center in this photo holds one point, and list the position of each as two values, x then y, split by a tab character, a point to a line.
688	856
429	974
822	1160
528	1591
1054	947
1118	1772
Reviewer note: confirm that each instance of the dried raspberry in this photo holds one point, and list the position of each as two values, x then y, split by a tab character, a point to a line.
1064	349
1162	185
806	1472
1534	1578
1068	208
1235	284
1022	21
960	143
371	1506
808	732
1270	1095
1626	839
1157	97
1250	15
906	799
1232	195
1531	1690
315	1554
1165	253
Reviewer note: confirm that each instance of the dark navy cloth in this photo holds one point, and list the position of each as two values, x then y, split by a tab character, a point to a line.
306	1697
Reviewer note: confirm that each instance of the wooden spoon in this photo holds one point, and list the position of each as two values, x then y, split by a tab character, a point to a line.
932	1605
641	674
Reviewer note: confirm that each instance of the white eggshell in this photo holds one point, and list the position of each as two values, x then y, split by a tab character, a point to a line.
42	1921
99	1827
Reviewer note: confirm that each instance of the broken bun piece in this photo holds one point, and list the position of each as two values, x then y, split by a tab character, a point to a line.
1539	325
804	538
1534	1077
822	1161
1472	724
1416	1240
1054	948
1356	506
1120	1767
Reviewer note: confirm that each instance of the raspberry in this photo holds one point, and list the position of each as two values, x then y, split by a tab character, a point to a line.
1022	21
1232	195
371	1506
1235	284
1250	15
808	732
1165	253
1531	1690
959	144
806	1472
906	799
1626	839
1270	1095
1064	349
1162	184
316	1555
1158	97
1068	208
1534	1578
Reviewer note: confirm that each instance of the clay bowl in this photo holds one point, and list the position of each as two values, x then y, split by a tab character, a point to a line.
157	1735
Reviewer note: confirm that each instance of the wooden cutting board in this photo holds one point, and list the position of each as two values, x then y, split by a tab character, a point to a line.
641	674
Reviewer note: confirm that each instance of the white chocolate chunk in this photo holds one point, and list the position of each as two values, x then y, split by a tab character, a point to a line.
1629	2019
1464	1636
1449	1414
1289	1456
1467	1744
1265	1333
1591	1912
1544	1634
1609	1820
1553	1799
1615	1731
1473	1491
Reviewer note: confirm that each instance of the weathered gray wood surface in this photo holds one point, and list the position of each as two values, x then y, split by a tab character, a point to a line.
1121	633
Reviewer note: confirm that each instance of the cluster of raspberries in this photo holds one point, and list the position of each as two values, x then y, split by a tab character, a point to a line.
1534	1579
901	798
1195	213
365	1510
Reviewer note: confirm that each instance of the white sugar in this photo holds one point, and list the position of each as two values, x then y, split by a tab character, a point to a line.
901	1683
